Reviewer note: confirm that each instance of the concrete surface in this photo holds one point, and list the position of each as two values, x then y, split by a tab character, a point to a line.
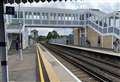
22	71
62	72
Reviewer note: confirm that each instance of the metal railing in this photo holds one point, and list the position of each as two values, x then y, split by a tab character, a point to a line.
103	30
53	22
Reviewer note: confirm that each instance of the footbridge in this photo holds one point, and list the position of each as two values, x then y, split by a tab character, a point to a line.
102	23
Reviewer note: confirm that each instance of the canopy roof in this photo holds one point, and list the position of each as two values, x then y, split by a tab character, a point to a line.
25	1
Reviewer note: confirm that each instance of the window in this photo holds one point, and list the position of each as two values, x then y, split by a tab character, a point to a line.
76	16
100	23
96	22
34	15
105	24
62	14
46	16
69	16
15	15
59	16
90	15
30	15
26	15
38	15
82	17
87	15
66	16
54	14
43	16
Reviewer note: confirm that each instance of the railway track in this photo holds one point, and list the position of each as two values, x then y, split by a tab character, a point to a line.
99	69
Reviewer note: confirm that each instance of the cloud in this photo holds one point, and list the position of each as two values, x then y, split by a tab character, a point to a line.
42	31
64	31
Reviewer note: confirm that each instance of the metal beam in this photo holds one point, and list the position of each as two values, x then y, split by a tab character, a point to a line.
3	53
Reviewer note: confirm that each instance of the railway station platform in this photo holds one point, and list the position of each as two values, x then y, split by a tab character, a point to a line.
38	65
22	70
97	50
57	72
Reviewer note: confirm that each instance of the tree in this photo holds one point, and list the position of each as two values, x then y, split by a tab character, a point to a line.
34	34
52	35
49	35
55	34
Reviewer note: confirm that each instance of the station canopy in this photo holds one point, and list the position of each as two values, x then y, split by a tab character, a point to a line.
25	1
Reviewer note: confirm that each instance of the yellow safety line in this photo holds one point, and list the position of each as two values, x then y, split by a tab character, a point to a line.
40	68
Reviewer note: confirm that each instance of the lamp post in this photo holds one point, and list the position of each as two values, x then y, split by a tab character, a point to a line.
20	35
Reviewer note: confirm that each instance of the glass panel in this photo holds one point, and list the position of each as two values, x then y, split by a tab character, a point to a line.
105	25
96	22
30	15
104	30
36	22
82	22
100	30
60	22
116	31
75	22
90	15
67	22
20	14
15	15
83	17
87	15
26	15
45	22
28	21
110	29
100	23
117	23
53	22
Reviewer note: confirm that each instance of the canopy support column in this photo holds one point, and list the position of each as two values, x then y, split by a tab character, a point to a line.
3	53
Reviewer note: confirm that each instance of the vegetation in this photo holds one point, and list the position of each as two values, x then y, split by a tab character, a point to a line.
50	35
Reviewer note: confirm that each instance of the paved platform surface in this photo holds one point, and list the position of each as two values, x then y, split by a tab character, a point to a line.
25	70
22	71
62	72
98	50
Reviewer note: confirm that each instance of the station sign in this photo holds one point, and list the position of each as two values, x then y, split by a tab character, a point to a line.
10	10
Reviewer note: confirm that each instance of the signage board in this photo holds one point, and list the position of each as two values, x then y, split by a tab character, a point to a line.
10	10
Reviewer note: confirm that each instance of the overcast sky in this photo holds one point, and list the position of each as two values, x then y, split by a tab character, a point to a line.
104	5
